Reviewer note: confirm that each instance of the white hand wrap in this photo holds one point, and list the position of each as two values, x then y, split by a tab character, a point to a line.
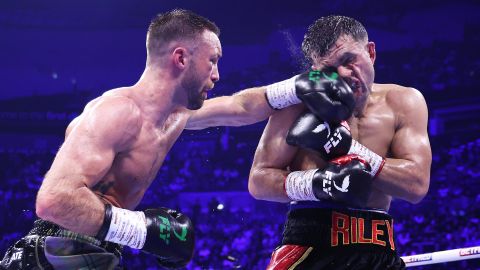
282	94
298	186
127	228
376	161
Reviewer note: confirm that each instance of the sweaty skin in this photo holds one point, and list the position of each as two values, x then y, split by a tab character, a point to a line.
389	119
114	149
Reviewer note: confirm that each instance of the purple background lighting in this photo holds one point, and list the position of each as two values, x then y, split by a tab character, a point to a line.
57	55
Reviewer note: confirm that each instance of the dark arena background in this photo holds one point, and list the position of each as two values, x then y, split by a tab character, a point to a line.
55	56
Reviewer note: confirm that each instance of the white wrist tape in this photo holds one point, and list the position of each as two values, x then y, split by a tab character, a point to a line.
298	186
127	228
282	94
376	161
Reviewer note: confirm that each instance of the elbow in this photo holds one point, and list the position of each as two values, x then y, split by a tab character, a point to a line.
42	207
418	196
254	187
419	191
46	205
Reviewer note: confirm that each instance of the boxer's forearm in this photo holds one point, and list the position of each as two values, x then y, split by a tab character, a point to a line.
403	179
78	210
268	184
243	108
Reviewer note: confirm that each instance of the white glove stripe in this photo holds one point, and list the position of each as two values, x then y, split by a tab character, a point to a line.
282	94
298	185
127	228
371	157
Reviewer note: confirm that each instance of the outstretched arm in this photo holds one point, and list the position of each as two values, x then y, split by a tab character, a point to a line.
243	108
328	96
65	196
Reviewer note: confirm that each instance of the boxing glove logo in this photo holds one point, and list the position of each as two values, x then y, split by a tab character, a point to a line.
327	183
165	229
345	184
332	141
315	75
322	127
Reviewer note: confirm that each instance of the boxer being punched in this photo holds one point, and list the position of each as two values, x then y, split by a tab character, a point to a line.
114	149
339	177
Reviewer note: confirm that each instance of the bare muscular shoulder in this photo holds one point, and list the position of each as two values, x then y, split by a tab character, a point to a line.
401	100
114	111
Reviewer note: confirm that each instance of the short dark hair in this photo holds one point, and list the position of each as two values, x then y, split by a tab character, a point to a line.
324	32
177	24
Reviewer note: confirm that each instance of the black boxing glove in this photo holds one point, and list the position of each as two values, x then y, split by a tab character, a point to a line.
323	92
164	233
346	179
330	140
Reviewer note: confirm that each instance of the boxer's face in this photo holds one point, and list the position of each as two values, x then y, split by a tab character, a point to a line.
354	62
202	72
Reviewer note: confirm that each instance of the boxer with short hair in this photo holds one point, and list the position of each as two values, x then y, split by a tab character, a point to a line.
114	149
340	177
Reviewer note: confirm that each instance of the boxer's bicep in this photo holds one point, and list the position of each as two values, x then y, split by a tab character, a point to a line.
92	143
411	141
272	150
243	108
406	173
273	156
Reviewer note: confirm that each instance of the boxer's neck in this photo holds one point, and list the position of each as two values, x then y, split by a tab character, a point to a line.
155	94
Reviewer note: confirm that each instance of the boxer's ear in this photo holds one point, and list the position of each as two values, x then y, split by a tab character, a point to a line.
180	57
371	51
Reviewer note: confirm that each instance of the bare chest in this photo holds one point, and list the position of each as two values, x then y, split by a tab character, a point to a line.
152	145
133	170
375	130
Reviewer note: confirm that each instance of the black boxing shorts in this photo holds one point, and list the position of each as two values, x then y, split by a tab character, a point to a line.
332	238
48	246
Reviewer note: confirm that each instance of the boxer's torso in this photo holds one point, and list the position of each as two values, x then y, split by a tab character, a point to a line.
375	129
134	169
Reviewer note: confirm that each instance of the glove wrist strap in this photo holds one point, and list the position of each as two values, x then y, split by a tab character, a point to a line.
127	228
298	185
107	219
282	94
376	161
